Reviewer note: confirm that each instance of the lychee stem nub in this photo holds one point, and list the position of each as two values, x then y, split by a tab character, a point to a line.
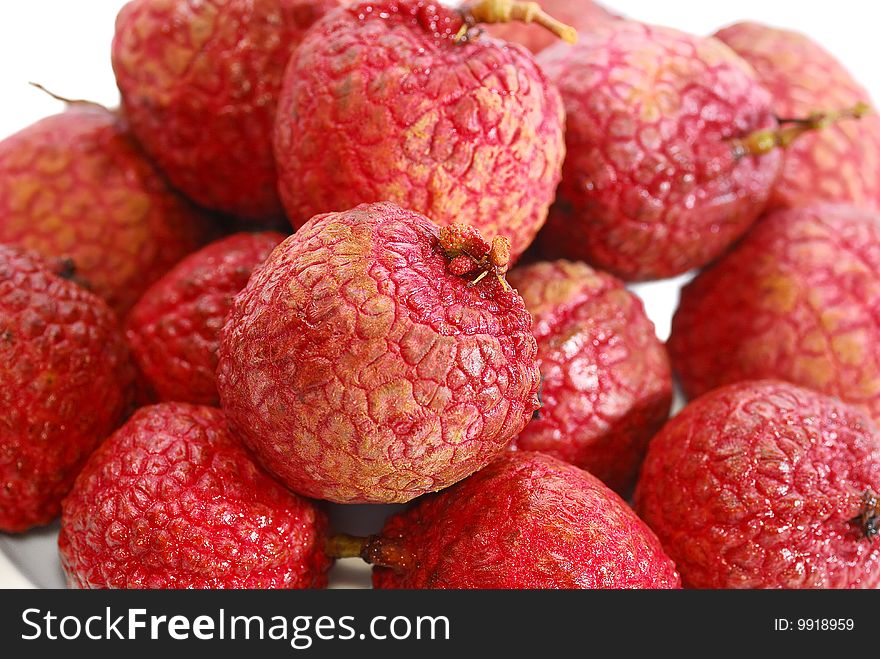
506	11
469	252
764	141
869	515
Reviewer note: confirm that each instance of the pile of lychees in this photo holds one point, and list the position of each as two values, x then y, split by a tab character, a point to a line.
449	323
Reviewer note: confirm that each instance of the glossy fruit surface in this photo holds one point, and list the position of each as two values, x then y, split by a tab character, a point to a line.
359	368
654	181
76	186
64	385
763	484
796	300
525	521
380	103
200	83
174	328
172	500
606	384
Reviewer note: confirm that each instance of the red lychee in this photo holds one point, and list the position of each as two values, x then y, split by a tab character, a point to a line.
656	180
200	82
174	329
763	484
796	300
361	369
172	500
64	385
582	15
385	102
606	384
838	164
525	521
76	186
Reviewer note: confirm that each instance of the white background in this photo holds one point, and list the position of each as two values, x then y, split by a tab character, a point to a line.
65	45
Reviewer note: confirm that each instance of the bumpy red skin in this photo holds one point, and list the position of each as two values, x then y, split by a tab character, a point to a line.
651	185
606	384
172	500
361	371
392	109
583	15
796	301
757	485
64	385
75	185
174	329
525	521
840	163
200	84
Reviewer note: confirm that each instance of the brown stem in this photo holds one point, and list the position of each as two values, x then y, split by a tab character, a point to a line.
468	252
506	11
68	101
345	546
764	141
869	515
374	549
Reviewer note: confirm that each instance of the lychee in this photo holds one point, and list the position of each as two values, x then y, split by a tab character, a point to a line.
172	500
656	179
763	484
174	329
64	384
200	81
525	521
796	300
361	368
76	186
838	164
399	101
606	384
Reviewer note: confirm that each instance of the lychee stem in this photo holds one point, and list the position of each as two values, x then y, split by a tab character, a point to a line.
68	101
345	546
869	515
764	141
469	252
506	11
373	549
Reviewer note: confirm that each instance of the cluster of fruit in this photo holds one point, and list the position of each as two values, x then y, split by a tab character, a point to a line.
180	382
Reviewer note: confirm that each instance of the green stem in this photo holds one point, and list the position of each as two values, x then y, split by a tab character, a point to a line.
507	11
764	141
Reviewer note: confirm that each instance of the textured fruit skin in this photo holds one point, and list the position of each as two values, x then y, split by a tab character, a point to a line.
525	521
361	371
174	329
75	185
796	300
172	500
606	383
757	484
64	385
391	109
840	163
651	186
200	84
583	15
